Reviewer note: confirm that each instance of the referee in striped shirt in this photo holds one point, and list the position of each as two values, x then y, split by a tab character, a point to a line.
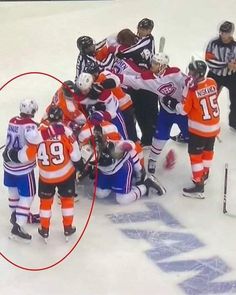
221	59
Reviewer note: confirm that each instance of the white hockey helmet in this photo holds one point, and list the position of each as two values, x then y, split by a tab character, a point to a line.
28	107
159	63
160	58
84	82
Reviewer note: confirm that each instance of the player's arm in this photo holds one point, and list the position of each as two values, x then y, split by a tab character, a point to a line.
211	59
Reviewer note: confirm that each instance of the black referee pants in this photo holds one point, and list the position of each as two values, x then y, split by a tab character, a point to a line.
146	112
230	83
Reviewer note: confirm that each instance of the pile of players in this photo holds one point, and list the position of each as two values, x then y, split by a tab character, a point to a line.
92	122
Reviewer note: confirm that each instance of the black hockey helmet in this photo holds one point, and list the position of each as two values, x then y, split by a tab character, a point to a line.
198	68
92	67
68	88
146	23
84	44
227	27
55	114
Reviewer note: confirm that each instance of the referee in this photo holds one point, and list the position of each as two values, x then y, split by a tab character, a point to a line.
221	59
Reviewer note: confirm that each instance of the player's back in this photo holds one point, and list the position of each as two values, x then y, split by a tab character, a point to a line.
55	157
203	109
17	128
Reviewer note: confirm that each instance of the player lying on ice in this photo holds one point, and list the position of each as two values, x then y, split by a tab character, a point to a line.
120	171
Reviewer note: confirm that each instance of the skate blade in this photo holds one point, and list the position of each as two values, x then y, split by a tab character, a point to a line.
18	239
194	195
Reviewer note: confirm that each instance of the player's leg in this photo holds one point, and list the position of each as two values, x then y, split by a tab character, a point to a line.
103	188
207	157
67	193
161	136
196	147
46	193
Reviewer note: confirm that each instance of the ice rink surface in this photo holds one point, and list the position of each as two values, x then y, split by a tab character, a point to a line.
166	245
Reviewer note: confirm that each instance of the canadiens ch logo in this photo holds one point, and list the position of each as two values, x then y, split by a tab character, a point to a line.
167	89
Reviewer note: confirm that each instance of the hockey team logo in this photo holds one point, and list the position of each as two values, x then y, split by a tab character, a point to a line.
167	89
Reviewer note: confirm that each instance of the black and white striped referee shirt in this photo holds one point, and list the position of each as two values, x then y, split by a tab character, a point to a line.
218	55
141	52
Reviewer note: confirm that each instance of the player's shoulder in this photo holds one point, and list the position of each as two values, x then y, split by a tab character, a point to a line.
171	71
22	121
148	75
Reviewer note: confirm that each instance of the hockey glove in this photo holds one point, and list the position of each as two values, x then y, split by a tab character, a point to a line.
95	91
10	156
108	83
170	102
52	131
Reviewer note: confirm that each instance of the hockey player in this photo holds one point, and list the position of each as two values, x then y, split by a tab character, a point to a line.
117	161
65	99
108	80
164	81
19	177
58	158
104	104
201	107
88	52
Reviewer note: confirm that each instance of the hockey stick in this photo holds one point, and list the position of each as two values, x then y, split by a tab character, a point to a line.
1	147
162	44
225	188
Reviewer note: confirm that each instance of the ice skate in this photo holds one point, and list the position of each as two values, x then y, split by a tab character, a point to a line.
13	218
152	183
179	138
151	166
195	191
68	231
18	233
205	177
44	233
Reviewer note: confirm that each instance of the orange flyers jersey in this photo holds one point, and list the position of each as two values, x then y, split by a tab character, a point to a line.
202	109
55	156
124	99
69	107
109	131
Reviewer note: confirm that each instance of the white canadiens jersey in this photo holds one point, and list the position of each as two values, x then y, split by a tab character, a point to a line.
17	128
117	164
172	83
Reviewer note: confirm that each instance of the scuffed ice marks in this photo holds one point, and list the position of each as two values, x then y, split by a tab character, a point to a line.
168	245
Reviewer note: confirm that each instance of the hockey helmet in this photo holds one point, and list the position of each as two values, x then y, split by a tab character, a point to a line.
55	114
227	27
197	68
86	45
146	24
28	107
